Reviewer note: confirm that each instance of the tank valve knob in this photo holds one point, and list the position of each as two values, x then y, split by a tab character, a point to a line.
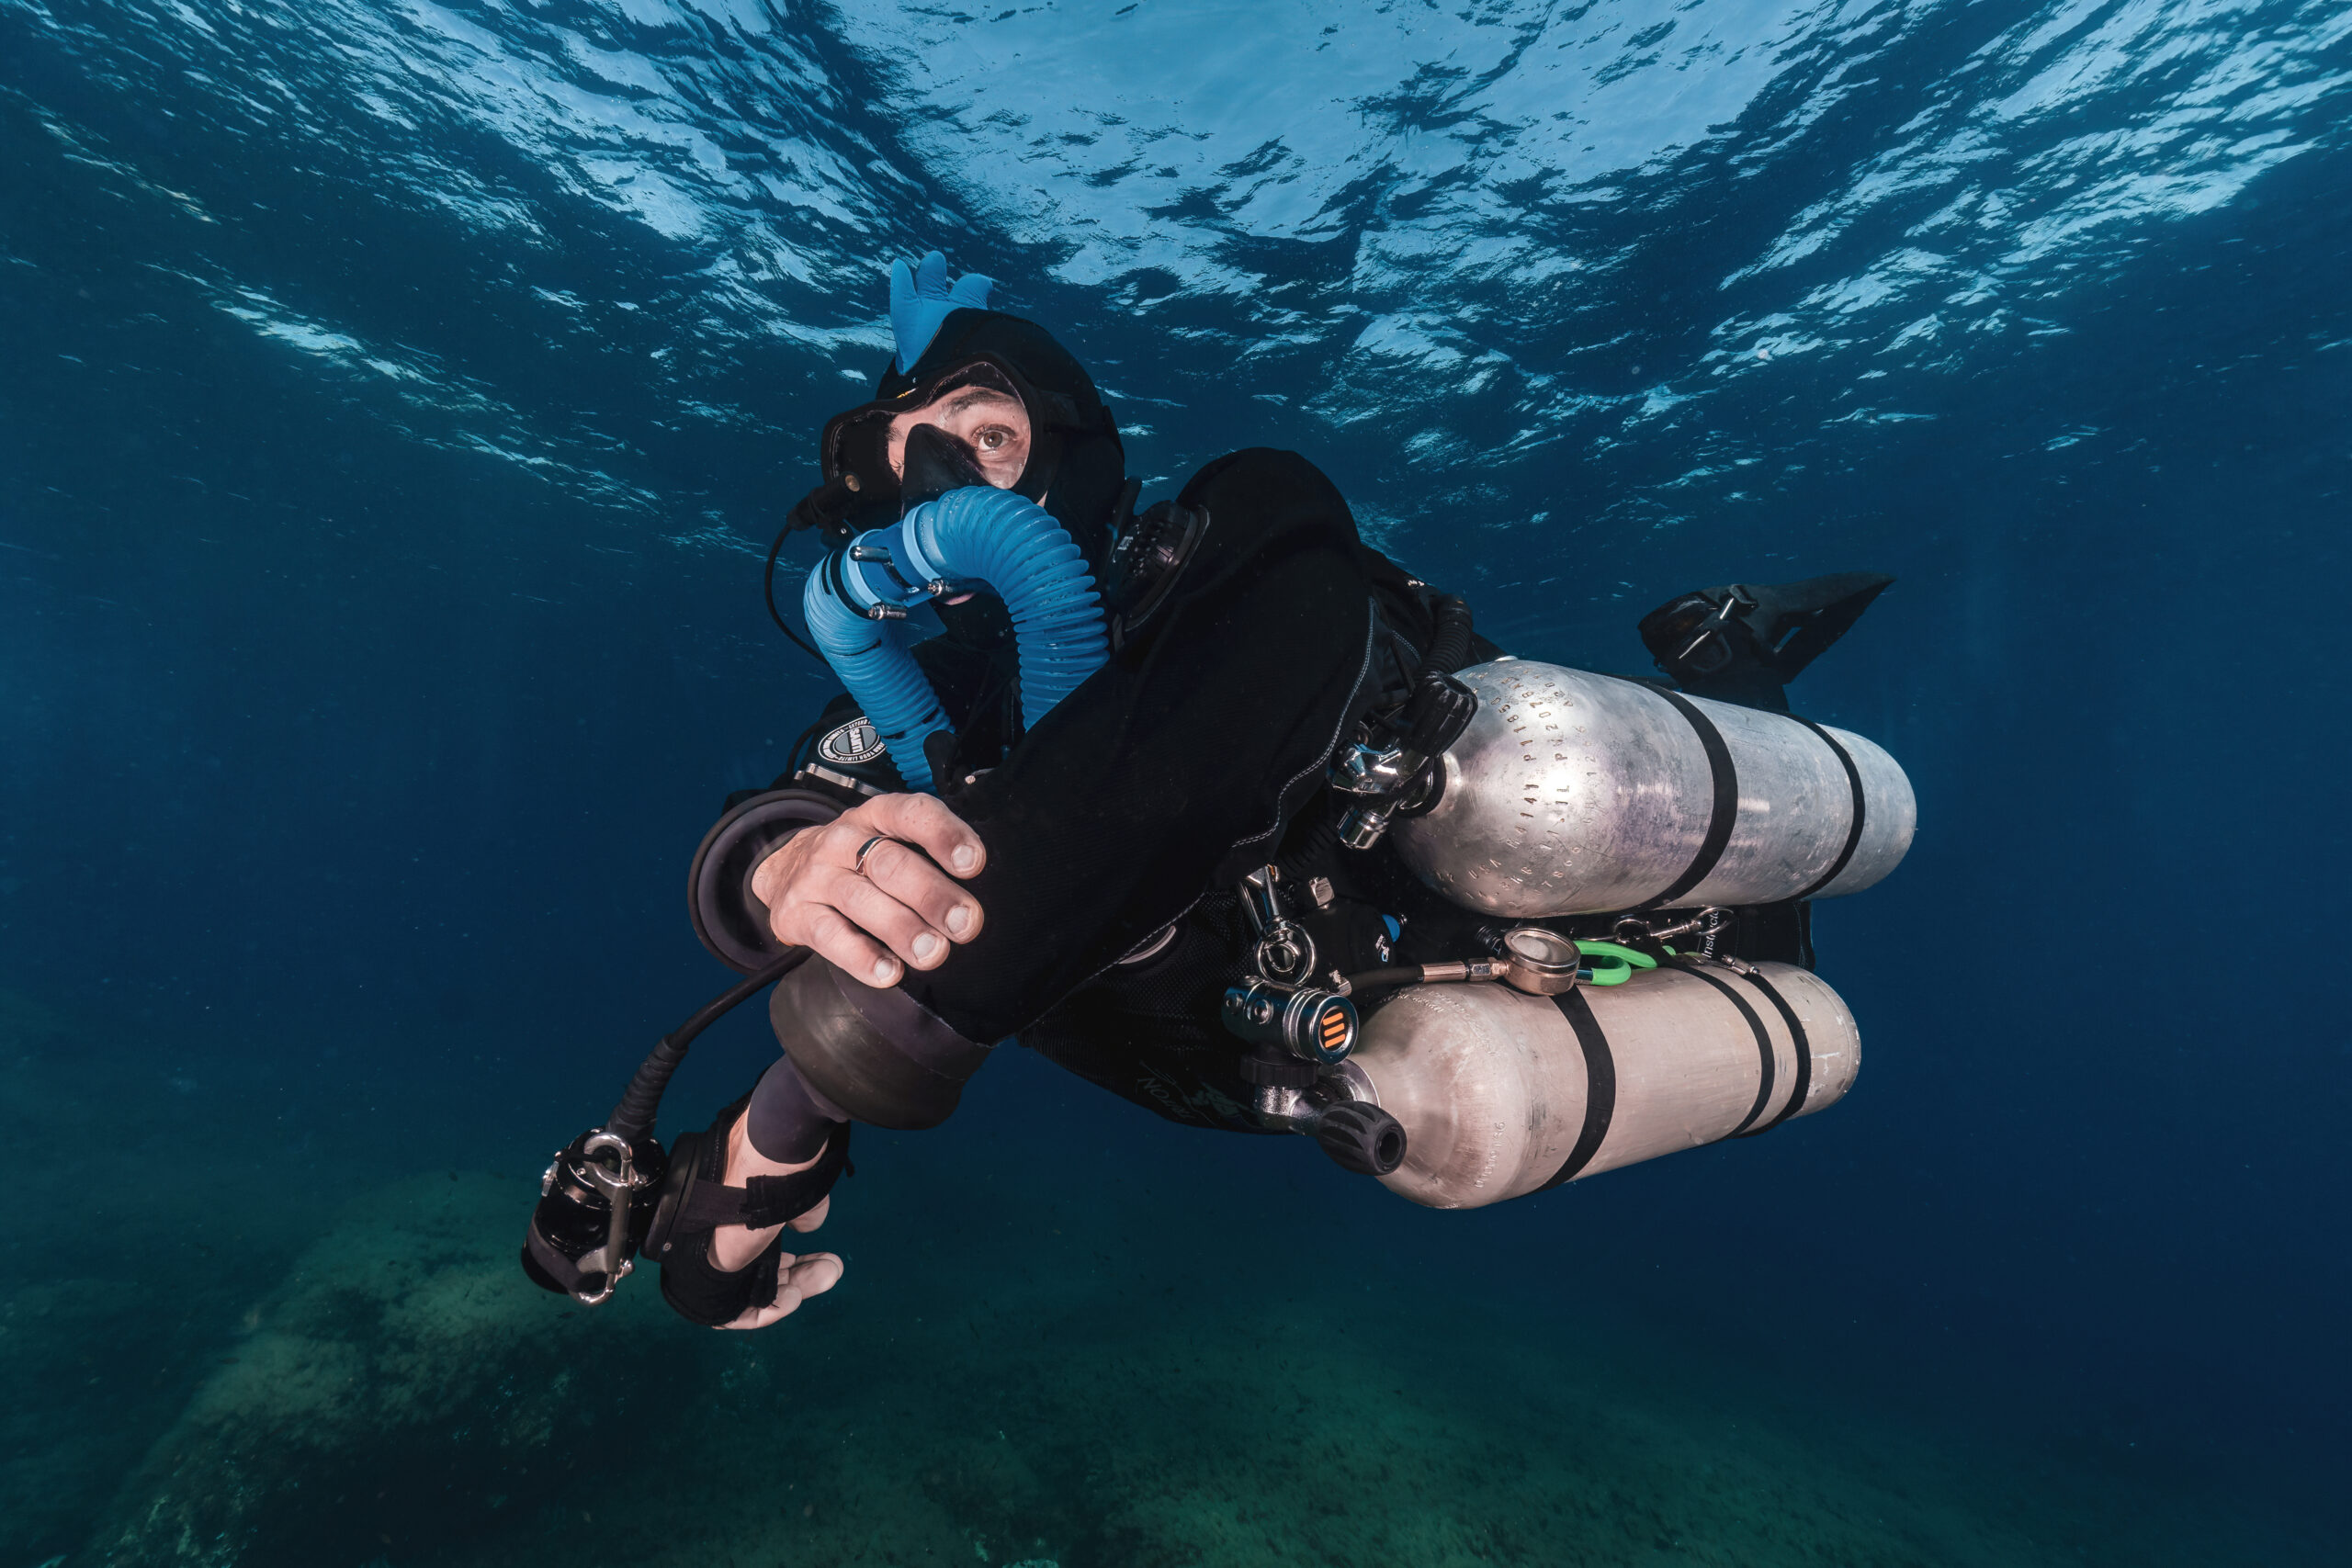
1361	1139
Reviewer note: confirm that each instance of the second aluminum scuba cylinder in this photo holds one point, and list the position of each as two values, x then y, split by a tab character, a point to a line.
1571	794
1502	1094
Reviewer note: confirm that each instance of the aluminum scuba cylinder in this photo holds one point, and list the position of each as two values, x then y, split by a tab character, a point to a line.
1569	792
1501	1093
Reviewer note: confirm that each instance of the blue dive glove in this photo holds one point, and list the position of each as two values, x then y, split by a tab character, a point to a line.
920	300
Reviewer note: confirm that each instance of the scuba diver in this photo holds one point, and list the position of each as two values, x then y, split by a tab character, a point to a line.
1148	803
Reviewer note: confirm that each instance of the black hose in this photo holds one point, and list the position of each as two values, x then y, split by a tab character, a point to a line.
1388	979
793	759
1316	849
1449	641
767	591
633	1117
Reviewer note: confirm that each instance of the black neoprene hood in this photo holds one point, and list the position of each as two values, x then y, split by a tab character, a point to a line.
1077	466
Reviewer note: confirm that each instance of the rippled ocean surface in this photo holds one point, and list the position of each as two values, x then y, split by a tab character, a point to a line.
396	399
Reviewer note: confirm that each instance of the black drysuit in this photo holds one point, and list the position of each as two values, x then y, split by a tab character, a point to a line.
1117	826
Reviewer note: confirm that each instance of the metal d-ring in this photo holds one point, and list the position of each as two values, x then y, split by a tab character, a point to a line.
1708	922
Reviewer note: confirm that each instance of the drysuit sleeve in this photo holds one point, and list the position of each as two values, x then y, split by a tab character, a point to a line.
1171	767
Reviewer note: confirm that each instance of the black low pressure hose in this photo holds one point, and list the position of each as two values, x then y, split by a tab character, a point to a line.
633	1117
1389	979
1318	841
1449	641
822	508
767	591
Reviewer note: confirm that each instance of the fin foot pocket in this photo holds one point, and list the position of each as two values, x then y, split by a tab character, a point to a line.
1743	643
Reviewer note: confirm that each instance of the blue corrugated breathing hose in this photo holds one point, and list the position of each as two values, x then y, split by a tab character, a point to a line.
974	539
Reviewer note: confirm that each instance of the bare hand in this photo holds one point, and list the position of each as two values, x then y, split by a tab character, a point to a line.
903	911
796	1280
735	1247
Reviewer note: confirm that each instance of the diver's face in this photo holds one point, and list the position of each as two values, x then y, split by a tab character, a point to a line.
991	425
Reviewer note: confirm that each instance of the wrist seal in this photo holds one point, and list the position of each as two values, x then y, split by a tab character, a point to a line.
728	919
877	1054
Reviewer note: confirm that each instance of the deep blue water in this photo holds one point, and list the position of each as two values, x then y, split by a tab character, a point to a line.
398	399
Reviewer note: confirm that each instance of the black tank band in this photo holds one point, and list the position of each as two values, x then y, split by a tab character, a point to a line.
1802	1084
1766	1066
1599	1086
1721	815
1854	831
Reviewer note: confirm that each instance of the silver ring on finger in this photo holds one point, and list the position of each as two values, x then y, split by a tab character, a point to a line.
865	848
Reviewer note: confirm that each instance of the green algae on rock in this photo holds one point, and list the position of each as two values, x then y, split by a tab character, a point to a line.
403	1385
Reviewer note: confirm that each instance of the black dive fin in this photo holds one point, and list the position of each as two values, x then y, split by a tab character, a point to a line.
1743	643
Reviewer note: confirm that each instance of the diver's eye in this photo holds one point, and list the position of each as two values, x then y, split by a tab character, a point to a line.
994	438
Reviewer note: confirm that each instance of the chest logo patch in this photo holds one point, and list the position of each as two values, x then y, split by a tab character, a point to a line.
856	741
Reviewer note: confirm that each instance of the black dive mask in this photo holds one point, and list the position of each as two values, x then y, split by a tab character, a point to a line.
854	449
1077	469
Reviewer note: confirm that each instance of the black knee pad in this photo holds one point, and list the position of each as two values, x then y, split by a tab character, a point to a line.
877	1054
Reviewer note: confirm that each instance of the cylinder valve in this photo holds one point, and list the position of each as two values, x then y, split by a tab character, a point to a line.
1315	1026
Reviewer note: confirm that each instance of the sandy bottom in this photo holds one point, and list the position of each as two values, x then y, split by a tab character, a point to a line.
232	1361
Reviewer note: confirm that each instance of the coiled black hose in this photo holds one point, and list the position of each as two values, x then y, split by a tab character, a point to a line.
1449	642
1316	847
633	1117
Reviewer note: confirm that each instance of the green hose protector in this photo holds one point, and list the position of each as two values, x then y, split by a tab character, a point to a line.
1614	964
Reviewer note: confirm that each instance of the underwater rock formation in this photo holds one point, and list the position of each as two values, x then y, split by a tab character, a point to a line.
403	1396
402	1387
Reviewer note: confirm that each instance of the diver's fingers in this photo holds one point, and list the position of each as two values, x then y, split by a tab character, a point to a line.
815	1216
796	1280
786	1299
885	919
812	1273
910	876
788	881
830	934
924	819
